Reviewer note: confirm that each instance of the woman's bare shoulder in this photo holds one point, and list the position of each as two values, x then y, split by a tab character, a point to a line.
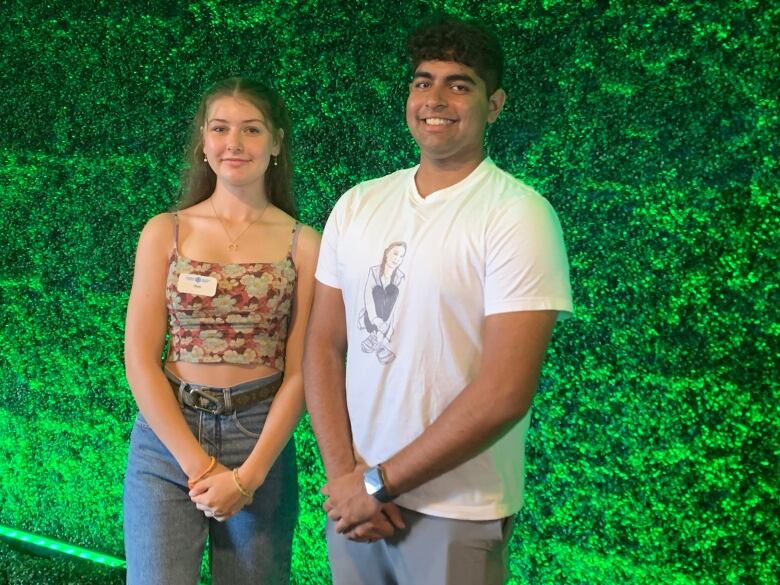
158	232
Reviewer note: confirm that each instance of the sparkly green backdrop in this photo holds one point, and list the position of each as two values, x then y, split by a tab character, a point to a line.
653	130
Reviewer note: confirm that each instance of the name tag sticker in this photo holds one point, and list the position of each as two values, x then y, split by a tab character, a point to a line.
196	284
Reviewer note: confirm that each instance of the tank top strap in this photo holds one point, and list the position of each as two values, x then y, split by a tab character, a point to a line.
175	233
294	242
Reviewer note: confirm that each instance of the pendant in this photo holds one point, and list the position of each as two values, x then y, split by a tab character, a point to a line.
233	246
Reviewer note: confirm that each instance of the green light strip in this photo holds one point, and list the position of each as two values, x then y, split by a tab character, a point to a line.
60	547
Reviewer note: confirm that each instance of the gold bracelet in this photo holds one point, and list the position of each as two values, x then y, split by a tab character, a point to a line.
240	487
212	465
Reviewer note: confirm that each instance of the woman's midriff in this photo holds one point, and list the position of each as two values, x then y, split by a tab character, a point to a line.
218	375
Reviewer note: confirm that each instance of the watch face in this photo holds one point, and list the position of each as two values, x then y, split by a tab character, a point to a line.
372	480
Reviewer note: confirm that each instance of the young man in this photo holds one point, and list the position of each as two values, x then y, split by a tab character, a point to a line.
441	284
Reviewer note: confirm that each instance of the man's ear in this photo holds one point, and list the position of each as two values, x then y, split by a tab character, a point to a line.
495	105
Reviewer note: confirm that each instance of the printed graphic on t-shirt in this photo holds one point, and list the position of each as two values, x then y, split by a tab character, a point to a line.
383	286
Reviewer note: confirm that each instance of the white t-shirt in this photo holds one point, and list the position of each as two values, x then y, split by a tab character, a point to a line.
418	277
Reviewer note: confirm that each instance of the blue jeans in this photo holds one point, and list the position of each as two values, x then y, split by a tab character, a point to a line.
165	533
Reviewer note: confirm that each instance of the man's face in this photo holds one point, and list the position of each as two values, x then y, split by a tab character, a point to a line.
447	111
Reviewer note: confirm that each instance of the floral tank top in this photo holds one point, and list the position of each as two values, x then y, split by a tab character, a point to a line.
244	322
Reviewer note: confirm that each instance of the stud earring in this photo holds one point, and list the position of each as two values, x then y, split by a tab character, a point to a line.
205	158
276	163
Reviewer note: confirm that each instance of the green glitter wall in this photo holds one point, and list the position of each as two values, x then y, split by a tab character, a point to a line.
654	450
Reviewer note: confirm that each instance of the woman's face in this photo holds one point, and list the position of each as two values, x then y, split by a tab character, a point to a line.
394	257
238	141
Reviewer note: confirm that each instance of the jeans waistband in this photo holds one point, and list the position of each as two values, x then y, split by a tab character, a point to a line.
224	400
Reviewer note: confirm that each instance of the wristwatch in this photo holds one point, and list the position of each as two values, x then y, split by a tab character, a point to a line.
374	480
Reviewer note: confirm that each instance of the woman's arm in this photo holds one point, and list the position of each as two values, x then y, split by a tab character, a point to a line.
223	497
288	404
144	338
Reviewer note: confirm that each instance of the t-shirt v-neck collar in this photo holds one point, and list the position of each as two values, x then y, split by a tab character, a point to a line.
447	193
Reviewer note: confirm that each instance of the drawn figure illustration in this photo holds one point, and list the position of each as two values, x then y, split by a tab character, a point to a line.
382	288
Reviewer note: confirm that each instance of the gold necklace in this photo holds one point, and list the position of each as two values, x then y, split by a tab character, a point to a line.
233	245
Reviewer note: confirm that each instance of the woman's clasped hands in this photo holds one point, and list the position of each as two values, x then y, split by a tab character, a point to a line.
219	494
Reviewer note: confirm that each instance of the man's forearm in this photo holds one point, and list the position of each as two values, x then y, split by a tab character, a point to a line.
468	426
326	400
498	398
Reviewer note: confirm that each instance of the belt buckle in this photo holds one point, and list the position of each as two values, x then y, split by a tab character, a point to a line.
199	395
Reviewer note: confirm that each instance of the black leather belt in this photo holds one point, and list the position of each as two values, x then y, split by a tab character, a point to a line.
224	401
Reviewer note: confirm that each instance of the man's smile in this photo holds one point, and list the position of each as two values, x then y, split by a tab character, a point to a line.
437	121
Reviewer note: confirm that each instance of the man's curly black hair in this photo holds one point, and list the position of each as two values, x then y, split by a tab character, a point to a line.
447	38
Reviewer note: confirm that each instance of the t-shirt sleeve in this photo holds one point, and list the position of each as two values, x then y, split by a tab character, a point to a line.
527	268
327	263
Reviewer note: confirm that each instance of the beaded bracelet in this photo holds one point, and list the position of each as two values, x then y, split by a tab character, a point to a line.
240	487
212	465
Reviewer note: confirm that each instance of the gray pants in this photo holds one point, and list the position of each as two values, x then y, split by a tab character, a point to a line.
430	551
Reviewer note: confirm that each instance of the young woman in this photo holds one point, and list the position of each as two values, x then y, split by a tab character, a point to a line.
230	277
